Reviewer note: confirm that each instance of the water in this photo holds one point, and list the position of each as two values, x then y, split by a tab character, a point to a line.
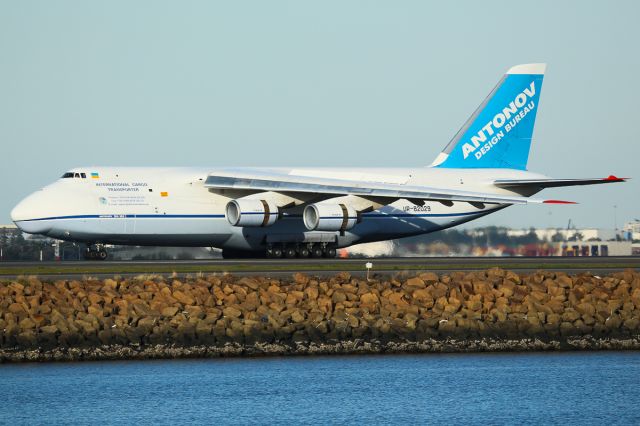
556	388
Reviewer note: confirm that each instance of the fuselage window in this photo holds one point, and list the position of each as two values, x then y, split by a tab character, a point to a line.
76	175
84	175
67	175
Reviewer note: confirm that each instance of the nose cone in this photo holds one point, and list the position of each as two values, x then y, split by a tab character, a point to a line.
29	215
19	212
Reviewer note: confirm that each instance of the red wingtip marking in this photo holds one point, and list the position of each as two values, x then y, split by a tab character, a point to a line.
558	202
613	178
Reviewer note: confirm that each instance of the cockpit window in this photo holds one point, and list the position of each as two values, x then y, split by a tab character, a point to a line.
74	175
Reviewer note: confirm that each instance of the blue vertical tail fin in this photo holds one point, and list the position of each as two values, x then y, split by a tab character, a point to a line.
498	134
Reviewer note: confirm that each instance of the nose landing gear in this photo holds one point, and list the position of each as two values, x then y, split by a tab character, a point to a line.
95	252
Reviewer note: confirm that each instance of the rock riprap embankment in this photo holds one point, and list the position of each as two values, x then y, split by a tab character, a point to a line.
156	317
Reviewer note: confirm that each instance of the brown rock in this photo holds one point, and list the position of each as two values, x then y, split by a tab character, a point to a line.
481	287
195	311
109	283
586	309
51	329
519	293
249	282
183	298
438	290
613	322
496	273
512	277
17	309
297	316
311	293
300	278
539	296
343	276
16	287
338	296
506	288
564	281
169	311
27	324
231	312
325	303
570	315
397	299
95	310
416	282
369	298
554	319
555	306
473	304
632	324
429	277
423	296
95	298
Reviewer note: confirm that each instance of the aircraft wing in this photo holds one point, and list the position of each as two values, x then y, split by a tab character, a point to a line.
256	180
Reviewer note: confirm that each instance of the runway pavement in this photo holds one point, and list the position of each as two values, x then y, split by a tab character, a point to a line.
285	267
479	261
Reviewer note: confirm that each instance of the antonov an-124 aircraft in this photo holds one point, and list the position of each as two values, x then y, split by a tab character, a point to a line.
300	212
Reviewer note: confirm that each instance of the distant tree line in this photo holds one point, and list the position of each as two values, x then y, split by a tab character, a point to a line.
15	247
490	235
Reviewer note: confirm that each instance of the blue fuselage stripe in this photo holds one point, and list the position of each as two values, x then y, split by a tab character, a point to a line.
218	216
127	216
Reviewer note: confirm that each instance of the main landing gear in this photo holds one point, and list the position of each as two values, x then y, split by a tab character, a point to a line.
95	252
300	250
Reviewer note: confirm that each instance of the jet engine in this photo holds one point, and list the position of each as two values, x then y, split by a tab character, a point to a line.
329	217
249	212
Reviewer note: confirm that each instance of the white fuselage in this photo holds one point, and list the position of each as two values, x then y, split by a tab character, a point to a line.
172	207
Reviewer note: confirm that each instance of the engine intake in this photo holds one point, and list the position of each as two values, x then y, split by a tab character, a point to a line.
249	212
329	217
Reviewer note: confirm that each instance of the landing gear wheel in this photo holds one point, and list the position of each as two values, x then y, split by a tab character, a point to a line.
95	252
276	253
290	252
330	252
304	252
317	251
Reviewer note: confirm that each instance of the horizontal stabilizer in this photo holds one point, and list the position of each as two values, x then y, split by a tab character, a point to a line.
539	184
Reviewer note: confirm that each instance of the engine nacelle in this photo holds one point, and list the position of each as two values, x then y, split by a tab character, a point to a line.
249	212
329	217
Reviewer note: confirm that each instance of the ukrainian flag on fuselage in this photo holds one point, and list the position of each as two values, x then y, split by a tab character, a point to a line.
498	134
95	175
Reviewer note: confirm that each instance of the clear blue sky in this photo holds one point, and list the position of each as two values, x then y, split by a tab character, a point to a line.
359	83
